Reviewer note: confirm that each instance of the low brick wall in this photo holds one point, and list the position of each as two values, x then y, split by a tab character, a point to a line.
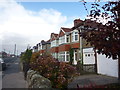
89	67
35	80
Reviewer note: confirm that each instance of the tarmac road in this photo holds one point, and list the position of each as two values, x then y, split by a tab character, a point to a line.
13	77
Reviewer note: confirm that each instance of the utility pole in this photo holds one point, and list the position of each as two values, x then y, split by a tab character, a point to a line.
15	50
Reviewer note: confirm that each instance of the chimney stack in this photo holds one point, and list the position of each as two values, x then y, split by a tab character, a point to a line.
77	21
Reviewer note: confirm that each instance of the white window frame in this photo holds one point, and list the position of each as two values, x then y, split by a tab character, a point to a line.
54	43
74	34
63	56
68	36
62	39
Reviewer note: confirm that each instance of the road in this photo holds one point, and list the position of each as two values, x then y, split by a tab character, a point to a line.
13	77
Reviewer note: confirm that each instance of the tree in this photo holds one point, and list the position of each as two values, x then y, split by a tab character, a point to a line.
26	56
105	38
25	59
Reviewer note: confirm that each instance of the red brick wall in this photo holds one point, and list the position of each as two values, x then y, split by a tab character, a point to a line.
42	51
65	47
54	50
75	45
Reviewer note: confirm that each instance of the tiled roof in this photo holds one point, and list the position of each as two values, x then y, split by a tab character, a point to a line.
66	29
87	22
48	41
55	36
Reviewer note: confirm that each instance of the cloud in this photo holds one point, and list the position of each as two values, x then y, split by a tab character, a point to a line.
22	27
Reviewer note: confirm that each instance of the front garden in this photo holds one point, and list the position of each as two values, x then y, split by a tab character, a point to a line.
59	73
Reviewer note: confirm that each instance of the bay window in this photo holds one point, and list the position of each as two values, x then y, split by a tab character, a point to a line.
62	40
64	56
54	43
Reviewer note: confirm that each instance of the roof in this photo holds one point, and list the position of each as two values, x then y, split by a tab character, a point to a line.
35	47
48	41
87	22
77	19
66	29
55	36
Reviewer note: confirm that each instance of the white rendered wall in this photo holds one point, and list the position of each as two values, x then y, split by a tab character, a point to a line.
107	66
88	56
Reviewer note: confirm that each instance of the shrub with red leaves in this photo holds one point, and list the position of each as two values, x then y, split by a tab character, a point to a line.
59	73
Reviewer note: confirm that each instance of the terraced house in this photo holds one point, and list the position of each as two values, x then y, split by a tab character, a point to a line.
60	44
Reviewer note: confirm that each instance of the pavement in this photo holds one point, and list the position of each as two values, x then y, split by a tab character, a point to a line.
92	79
13	77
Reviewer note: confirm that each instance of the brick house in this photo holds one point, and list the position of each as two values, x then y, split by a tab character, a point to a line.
54	45
64	44
105	66
60	44
43	46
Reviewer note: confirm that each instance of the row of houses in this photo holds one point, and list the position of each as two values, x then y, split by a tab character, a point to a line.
60	44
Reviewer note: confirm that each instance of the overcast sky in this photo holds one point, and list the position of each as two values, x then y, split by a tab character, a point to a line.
27	23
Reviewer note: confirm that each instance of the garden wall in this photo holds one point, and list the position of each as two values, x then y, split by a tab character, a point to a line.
35	80
107	66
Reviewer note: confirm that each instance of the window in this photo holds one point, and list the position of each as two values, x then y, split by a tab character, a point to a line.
62	40
75	36
68	39
62	56
54	43
55	55
67	56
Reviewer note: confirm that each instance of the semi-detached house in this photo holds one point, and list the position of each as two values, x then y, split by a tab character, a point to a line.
60	44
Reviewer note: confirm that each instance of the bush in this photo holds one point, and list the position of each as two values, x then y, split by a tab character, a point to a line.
25	60
59	73
26	56
34	56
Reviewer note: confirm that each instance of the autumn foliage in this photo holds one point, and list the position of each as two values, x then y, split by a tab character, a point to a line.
59	73
105	38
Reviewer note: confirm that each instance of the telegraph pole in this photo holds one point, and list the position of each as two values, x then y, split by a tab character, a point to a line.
15	50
